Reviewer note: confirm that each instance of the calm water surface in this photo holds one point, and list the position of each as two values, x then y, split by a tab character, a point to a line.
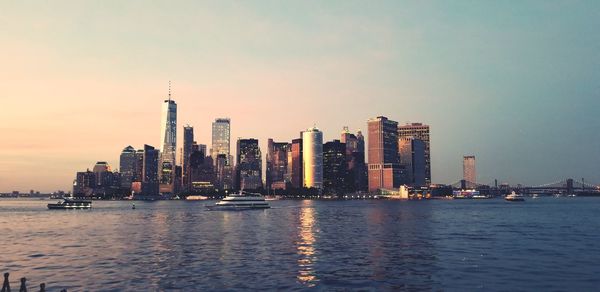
546	244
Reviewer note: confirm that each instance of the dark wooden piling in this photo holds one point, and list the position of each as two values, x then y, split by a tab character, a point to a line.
6	284
23	285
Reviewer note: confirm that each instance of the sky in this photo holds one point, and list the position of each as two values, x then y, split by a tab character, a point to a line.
515	83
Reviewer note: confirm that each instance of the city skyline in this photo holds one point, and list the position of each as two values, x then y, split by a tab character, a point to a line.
77	94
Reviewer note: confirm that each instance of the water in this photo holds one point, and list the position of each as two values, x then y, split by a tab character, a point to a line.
462	245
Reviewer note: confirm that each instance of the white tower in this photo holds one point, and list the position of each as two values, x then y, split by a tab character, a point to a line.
312	158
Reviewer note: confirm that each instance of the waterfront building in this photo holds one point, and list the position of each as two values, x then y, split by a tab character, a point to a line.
202	171
412	156
249	165
419	131
139	166
355	160
221	135
127	167
312	158
169	143
150	171
84	184
385	171
469	172
295	172
186	151
224	173
335	171
101	170
277	160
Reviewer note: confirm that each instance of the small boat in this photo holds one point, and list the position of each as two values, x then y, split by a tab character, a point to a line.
240	201
71	203
535	196
514	197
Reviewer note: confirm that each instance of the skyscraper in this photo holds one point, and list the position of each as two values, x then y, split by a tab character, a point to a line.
249	165
412	155
385	171
188	141
168	141
150	171
469	172
355	160
335	171
276	162
295	173
221	135
419	131
127	166
312	158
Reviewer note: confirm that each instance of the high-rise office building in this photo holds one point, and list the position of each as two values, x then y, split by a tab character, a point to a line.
335	168
84	184
127	167
385	171
412	155
312	158
277	156
295	173
419	131
188	141
168	140
202	174
150	171
469	172
101	170
355	160
221	136
224	173
249	165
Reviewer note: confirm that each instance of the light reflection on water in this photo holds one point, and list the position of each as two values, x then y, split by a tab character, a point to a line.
298	245
305	245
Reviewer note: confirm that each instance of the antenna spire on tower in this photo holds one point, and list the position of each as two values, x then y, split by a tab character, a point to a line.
169	90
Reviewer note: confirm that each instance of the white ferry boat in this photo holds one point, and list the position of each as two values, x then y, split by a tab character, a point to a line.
70	203
240	201
514	197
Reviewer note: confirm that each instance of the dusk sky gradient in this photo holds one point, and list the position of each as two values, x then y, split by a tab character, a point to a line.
515	83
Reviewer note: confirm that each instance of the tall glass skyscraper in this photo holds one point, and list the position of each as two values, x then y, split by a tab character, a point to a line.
188	141
168	132
312	158
469	172
419	131
221	136
127	167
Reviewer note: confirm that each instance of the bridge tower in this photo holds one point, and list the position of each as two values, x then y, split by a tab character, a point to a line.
569	186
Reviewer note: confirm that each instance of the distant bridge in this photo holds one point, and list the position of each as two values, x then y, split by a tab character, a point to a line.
566	186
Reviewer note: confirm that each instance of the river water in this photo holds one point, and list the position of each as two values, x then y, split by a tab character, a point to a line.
547	244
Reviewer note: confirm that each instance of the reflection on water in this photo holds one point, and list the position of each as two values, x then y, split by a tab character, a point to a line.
460	245
305	245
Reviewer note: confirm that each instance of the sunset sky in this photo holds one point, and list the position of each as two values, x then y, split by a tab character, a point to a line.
515	83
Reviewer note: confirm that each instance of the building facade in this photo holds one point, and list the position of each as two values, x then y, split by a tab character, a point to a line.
186	151
335	168
294	172
385	171
168	140
312	158
249	165
412	156
419	131
127	167
150	171
277	160
355	160
221	137
469	171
